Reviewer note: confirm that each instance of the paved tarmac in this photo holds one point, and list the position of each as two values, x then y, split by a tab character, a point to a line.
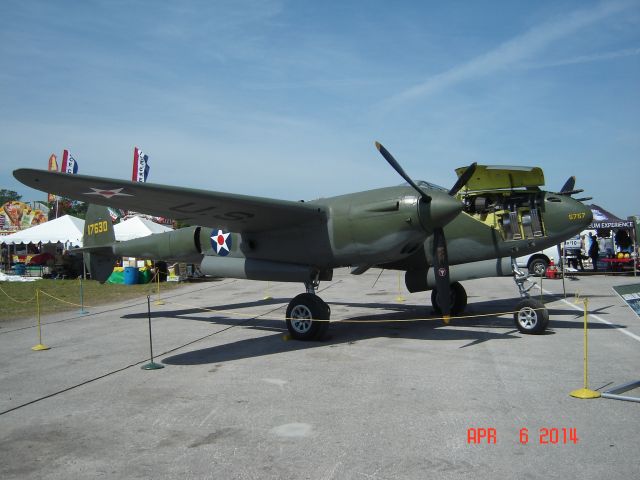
390	400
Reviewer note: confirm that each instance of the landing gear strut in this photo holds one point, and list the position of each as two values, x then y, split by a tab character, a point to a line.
531	316
308	315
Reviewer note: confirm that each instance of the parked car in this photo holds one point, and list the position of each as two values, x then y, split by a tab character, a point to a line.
538	262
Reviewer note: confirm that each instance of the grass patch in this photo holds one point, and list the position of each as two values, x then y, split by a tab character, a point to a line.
95	294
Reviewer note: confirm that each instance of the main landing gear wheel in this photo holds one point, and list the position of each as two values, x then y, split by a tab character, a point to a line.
458	299
531	316
308	317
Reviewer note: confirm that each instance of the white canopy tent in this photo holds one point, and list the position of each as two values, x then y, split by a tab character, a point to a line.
137	227
66	229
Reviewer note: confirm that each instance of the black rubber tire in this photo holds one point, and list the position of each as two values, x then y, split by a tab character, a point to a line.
531	317
308	317
458	299
538	267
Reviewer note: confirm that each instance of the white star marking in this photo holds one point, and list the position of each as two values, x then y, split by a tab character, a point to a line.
108	193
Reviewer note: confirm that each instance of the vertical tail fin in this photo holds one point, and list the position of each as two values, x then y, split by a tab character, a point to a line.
98	239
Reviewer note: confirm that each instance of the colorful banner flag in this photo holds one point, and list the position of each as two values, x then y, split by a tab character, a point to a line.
53	167
53	163
69	164
140	166
113	214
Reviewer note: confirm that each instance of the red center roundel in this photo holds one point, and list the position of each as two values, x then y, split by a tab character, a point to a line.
220	240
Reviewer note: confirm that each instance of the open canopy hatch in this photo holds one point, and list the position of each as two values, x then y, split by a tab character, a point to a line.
506	198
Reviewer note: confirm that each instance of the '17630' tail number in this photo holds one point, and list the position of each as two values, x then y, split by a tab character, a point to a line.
98	227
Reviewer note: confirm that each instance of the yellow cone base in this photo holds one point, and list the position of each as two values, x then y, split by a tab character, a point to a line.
400	298
585	393
158	302
446	319
39	347
267	298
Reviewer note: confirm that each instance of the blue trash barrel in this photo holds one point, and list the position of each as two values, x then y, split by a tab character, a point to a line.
20	269
131	275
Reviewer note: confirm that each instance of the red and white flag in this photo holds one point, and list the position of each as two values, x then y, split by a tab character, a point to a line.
69	164
140	166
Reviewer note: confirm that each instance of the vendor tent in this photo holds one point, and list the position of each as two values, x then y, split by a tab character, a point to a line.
136	227
602	219
66	229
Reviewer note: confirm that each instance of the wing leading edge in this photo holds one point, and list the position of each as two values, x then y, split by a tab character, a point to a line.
239	213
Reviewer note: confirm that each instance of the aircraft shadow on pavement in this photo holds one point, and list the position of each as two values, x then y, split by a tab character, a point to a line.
339	334
349	331
214	314
407	321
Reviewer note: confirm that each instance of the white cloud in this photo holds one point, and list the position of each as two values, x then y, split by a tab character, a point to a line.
512	51
596	57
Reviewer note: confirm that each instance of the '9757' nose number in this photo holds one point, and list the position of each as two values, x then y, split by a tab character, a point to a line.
577	216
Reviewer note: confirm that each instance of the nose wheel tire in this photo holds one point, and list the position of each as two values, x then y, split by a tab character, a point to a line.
307	317
531	316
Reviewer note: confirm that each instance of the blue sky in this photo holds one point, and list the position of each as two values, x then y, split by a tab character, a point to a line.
285	99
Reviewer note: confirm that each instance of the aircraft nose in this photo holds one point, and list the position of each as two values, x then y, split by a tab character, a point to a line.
441	210
588	218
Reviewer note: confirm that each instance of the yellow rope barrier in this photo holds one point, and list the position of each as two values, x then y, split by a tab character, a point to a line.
61	300
17	301
400	320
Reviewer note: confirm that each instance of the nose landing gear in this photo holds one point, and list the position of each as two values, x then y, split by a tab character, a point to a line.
531	316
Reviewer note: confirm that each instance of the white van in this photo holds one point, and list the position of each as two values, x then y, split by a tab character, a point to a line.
538	262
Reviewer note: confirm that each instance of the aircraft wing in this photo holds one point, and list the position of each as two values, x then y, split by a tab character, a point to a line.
238	213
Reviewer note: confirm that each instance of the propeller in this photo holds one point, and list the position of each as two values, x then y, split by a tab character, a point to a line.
568	186
439	253
463	179
568	189
396	166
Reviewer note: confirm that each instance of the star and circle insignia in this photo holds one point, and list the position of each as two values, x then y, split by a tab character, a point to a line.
221	242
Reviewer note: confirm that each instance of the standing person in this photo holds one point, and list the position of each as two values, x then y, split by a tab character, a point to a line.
594	251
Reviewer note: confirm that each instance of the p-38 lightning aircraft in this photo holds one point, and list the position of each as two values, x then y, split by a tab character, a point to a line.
438	237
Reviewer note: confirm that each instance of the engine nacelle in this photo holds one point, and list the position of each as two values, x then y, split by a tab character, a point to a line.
254	269
178	245
422	280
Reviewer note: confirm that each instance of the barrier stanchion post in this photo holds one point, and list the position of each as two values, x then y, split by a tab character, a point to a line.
151	365
266	292
585	392
158	300
40	346
82	310
399	298
541	293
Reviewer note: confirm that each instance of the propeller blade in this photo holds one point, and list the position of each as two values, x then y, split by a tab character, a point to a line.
463	179
568	185
584	199
441	271
571	192
396	166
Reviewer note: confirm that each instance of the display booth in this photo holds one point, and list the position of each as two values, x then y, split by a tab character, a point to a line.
617	240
